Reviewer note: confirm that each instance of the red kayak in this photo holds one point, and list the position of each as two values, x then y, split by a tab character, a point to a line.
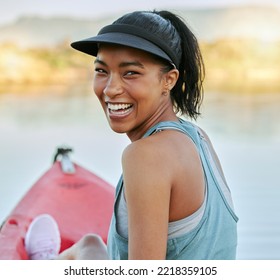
79	201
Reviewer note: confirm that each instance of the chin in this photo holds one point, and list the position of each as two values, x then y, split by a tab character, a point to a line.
118	128
119	131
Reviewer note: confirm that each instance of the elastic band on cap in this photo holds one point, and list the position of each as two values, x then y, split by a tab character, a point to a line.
140	32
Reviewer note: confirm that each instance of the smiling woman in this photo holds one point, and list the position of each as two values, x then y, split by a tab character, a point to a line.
129	84
172	200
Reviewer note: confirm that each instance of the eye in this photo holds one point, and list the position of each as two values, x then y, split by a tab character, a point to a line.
100	70
131	73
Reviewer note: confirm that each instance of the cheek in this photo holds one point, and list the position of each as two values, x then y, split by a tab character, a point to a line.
98	88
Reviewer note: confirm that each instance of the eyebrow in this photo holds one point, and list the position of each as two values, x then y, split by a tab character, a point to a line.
122	64
131	63
97	60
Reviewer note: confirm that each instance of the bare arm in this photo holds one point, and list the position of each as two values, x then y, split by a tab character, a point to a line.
147	182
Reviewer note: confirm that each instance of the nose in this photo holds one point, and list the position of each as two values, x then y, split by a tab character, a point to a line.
113	86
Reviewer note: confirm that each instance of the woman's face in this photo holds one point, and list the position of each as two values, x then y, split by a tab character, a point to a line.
132	89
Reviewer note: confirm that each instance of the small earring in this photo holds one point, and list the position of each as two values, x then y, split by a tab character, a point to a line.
165	93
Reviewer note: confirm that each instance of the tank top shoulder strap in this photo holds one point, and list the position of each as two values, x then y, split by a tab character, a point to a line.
183	126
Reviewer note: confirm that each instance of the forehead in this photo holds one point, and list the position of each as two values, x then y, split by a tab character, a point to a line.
116	52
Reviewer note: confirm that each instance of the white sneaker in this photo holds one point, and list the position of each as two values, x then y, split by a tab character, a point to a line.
42	240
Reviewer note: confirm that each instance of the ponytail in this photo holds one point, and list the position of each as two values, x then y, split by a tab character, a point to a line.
187	94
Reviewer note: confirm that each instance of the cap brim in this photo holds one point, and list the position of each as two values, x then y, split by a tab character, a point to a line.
90	45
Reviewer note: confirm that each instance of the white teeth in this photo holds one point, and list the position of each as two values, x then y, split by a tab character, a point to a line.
116	107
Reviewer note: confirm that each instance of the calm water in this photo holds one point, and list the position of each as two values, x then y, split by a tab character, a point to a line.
244	129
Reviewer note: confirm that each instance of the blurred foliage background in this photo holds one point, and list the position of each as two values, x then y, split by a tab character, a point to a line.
232	65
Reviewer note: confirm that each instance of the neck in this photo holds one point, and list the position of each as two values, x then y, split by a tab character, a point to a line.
138	132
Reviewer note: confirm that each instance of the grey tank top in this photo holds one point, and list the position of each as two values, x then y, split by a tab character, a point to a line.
214	234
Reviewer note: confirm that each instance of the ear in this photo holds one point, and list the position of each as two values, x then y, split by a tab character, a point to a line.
170	79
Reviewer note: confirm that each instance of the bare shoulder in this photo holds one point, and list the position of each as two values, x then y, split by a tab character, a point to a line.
147	156
161	145
162	153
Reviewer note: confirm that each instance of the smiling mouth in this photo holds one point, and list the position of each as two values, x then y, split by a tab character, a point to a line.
119	109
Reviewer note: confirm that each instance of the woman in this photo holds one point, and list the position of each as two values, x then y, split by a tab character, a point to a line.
172	201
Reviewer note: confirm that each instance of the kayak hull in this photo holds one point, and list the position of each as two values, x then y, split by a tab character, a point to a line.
81	203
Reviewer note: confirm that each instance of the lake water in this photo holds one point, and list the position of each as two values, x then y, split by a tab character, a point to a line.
244	128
